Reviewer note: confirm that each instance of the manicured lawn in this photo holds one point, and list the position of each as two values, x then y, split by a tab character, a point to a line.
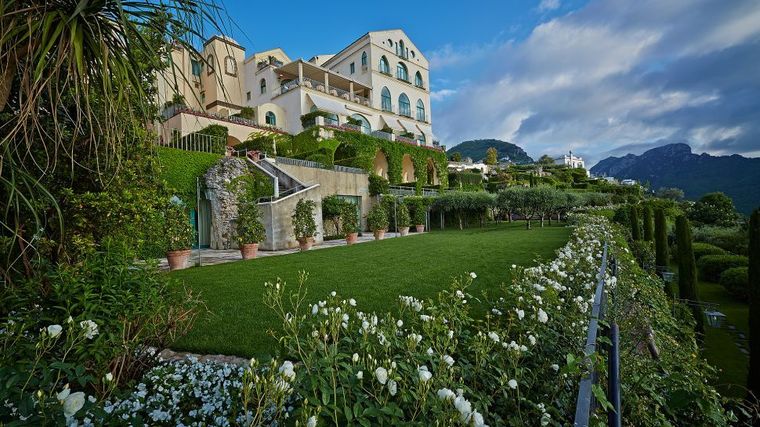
720	347
374	273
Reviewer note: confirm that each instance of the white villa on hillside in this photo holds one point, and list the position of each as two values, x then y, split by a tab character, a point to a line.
572	161
380	81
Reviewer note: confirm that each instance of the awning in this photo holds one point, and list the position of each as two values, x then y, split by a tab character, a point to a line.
408	125
391	123
329	105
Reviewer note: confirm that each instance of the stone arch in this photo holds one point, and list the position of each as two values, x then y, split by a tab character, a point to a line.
232	141
407	169
432	173
380	164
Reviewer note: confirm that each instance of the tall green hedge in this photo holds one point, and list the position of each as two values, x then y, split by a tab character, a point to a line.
687	269
180	168
635	225
648	225
661	238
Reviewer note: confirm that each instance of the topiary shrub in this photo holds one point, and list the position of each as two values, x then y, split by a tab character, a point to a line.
735	280
661	238
702	249
304	225
377	218
711	266
404	220
349	218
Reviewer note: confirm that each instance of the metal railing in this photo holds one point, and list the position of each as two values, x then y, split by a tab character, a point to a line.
399	190
195	142
382	135
317	165
586	403
173	110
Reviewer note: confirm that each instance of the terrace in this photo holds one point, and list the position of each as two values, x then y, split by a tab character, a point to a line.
305	74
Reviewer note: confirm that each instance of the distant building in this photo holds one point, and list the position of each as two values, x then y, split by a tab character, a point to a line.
629	182
572	161
468	164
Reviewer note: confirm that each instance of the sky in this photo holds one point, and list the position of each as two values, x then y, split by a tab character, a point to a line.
598	77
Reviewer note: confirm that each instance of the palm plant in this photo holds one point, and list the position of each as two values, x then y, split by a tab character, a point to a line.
77	81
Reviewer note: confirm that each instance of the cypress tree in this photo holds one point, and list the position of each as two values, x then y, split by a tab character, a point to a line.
753	376
635	227
687	270
660	238
648	227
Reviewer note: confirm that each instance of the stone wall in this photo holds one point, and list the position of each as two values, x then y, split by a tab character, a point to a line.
223	200
277	219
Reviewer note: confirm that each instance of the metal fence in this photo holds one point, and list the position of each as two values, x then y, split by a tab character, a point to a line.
317	165
586	403
195	142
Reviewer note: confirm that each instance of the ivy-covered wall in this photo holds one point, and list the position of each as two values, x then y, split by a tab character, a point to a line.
359	150
180	168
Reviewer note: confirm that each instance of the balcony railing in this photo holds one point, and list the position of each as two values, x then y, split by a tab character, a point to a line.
321	87
382	135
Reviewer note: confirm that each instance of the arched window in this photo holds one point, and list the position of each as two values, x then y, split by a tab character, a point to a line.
364	58
385	98
404	108
364	123
263	86
270	118
384	66
400	49
401	72
230	66
210	64
420	110
418	80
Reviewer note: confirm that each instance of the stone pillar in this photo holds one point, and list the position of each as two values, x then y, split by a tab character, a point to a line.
327	83
300	72
351	89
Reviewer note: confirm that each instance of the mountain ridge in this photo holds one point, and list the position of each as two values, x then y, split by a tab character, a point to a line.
675	165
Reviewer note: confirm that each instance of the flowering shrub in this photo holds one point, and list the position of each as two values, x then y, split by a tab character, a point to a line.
440	362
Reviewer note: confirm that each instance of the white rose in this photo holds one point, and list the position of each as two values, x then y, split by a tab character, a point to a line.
542	316
382	375
54	330
73	403
392	387
109	377
512	384
360	375
446	394
355	357
312	421
473	275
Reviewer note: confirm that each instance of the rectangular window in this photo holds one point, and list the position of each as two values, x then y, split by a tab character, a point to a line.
196	67
352	67
248	95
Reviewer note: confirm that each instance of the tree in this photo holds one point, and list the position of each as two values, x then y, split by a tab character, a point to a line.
713	209
635	225
546	200
332	208
753	376
508	201
670	193
687	270
456	156
660	238
491	156
545	160
648	226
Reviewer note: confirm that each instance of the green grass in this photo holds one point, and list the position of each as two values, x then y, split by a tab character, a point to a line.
373	273
720	347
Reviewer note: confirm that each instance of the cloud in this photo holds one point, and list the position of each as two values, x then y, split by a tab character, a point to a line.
547	5
614	74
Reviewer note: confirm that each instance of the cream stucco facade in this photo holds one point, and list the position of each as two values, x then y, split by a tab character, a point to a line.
381	79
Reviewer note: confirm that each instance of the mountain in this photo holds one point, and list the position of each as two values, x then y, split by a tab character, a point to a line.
674	165
477	148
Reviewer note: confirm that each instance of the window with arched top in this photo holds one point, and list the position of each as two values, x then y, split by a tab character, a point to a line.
404	107
230	66
402	72
364	58
270	119
210	64
384	66
418	79
420	110
263	86
400	48
385	100
366	128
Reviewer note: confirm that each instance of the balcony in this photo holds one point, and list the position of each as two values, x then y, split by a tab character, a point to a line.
307	75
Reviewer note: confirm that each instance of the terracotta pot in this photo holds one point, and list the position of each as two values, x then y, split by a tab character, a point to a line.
249	250
379	234
178	259
403	230
305	243
351	238
420	228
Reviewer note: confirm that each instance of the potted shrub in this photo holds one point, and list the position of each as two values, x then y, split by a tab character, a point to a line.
304	226
403	219
419	218
179	235
377	221
250	230
350	221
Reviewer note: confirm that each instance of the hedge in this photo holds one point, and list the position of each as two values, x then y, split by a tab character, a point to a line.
702	249
711	266
180	168
736	281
